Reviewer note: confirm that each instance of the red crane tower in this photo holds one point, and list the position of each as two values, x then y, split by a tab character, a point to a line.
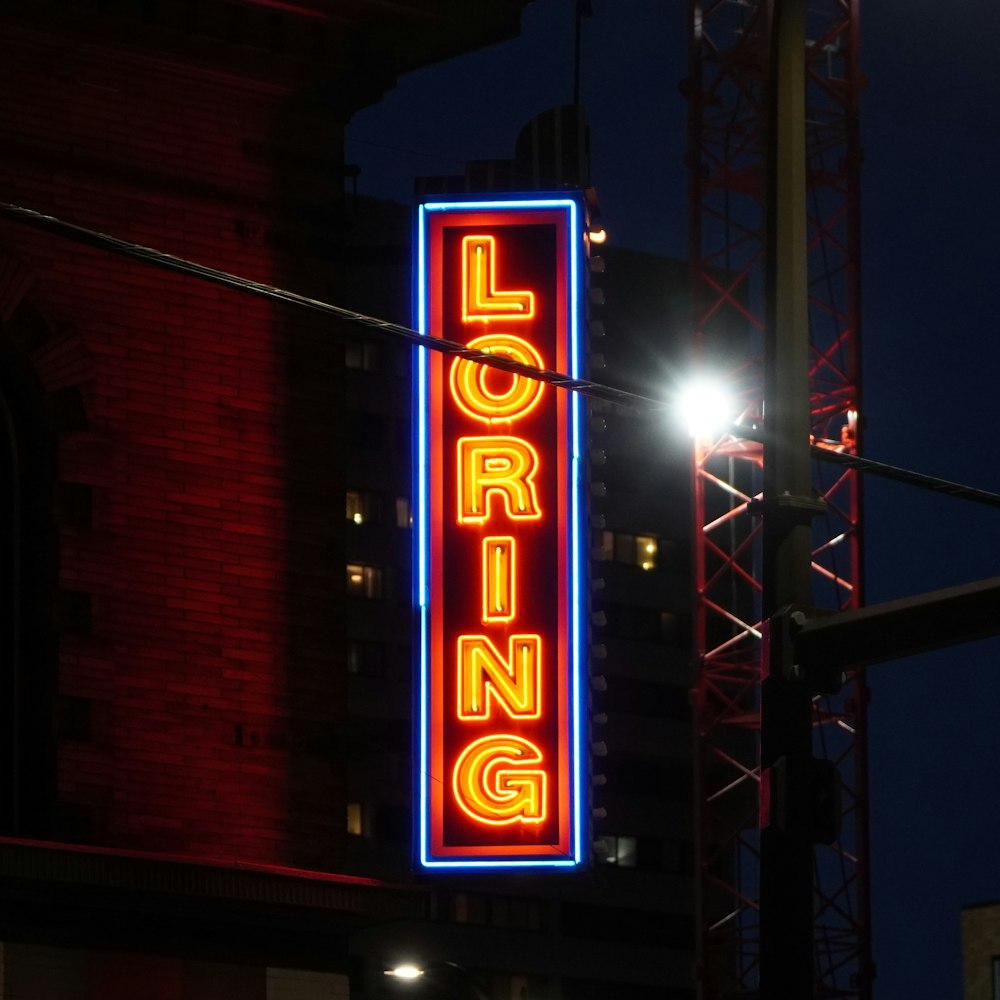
726	89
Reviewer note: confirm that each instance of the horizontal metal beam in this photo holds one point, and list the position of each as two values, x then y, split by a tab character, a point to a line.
890	631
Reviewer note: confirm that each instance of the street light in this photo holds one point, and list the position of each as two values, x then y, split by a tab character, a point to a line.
437	981
705	407
405	972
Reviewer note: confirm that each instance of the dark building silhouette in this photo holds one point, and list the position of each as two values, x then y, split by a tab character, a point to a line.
205	608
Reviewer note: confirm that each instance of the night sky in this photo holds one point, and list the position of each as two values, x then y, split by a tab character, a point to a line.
931	220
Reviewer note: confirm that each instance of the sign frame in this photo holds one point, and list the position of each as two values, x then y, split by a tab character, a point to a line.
544	232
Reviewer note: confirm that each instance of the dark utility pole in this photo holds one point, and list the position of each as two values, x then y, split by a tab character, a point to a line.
786	863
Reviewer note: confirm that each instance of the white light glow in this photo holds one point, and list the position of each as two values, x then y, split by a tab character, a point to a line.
705	408
405	972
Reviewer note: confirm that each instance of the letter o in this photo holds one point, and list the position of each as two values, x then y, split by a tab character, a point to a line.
473	395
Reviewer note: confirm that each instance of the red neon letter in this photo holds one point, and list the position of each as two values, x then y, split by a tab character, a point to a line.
484	677
493	784
480	300
502	465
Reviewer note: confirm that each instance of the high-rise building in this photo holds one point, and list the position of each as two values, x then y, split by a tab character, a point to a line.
205	510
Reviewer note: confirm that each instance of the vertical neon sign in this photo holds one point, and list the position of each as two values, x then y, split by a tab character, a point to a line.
498	537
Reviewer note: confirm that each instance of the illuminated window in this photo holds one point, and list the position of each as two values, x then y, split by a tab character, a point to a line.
363	507
361	355
355	819
636	550
621	851
364	581
404	516
645	551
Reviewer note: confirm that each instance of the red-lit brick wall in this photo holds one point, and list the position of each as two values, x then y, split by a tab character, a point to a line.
200	599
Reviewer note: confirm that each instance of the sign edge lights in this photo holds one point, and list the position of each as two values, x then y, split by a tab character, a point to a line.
572	533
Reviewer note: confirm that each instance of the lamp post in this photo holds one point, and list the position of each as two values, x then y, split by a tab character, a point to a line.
787	508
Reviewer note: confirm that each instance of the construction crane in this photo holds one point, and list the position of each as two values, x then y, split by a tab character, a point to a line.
730	65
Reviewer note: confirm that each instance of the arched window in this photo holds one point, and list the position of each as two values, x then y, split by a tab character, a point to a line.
28	574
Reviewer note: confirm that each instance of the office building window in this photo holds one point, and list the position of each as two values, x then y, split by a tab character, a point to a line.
604	546
620	851
364	581
645	551
363	507
470	908
355	819
635	550
364	430
361	355
366	659
404	516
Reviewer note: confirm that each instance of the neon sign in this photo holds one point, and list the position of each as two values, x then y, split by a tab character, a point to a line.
498	537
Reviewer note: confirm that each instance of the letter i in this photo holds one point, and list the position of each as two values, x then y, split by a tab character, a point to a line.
498	579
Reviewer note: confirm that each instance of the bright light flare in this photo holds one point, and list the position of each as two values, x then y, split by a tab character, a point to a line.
405	972
705	408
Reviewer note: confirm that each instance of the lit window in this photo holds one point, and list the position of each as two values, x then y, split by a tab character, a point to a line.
363	507
620	851
636	550
364	581
645	551
355	819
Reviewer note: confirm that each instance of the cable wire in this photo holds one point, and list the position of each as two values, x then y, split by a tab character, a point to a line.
596	390
134	251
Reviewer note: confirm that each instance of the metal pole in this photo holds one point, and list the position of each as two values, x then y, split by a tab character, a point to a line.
786	864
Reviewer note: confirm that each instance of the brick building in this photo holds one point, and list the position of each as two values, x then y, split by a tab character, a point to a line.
205	665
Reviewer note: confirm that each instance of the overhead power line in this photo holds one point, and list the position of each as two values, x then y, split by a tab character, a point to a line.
595	390
135	251
907	476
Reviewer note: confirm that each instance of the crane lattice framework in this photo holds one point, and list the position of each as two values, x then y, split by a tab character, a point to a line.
727	94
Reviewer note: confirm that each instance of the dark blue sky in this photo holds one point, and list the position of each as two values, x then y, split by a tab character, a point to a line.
931	224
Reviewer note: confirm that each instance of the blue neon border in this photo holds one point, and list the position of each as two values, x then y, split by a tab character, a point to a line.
574	231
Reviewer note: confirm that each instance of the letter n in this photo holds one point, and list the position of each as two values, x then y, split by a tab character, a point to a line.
484	677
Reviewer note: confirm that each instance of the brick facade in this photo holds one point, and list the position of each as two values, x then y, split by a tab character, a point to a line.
213	764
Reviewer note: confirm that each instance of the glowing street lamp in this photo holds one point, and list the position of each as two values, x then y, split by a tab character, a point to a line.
405	971
705	408
446	980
